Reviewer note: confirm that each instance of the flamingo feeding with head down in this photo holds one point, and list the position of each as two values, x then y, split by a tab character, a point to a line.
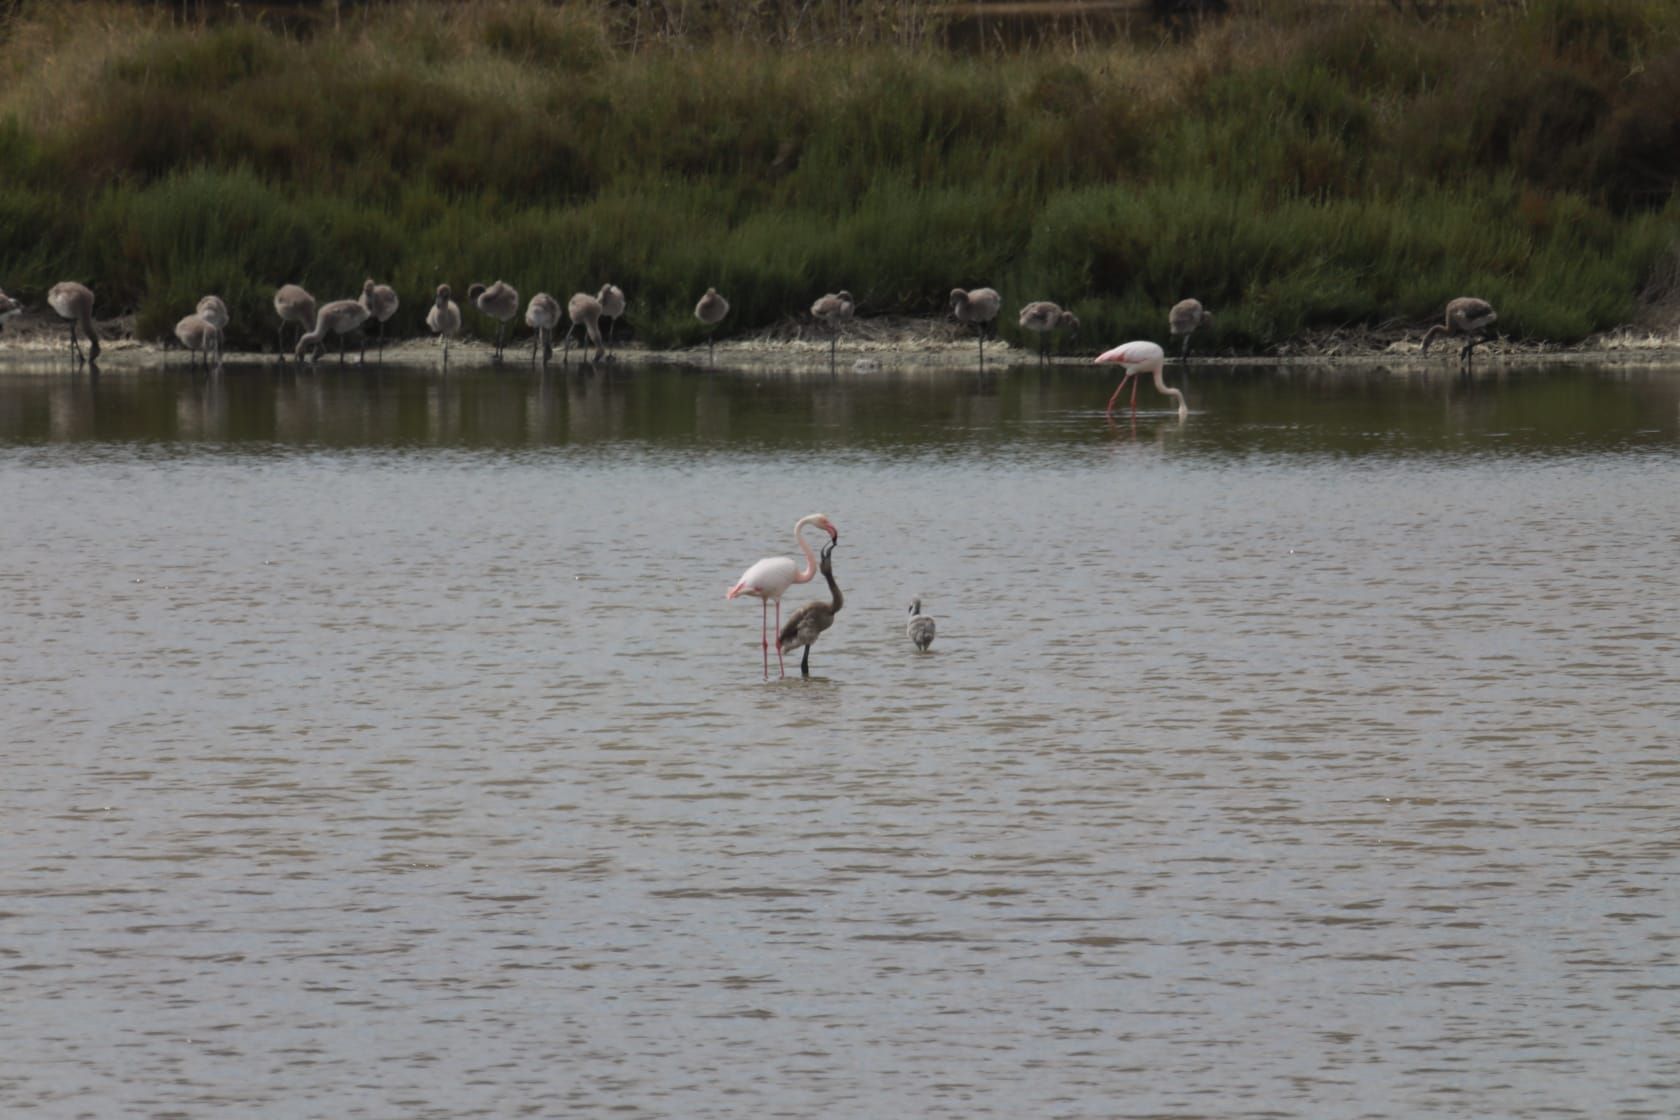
809	622
1466	315
1137	357
768	579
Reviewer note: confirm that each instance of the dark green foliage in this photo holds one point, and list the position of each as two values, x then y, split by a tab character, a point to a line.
1314	172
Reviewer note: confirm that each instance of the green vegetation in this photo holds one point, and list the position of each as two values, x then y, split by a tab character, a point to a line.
1295	171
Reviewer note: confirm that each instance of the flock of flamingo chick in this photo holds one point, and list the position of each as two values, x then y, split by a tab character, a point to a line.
201	331
767	580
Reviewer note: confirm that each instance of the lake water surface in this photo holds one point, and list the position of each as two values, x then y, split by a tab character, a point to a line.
382	745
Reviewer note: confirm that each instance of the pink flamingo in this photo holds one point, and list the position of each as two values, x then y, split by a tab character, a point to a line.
771	577
1138	357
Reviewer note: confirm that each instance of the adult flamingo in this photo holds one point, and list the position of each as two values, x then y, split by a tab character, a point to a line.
807	623
769	578
1138	357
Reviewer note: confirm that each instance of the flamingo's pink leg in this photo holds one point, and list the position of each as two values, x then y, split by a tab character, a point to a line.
1118	389
1135	385
763	637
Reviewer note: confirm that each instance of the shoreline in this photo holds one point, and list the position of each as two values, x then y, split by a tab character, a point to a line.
867	346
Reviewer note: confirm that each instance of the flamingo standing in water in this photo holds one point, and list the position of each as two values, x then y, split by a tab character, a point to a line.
920	629
1137	357
769	578
293	305
834	310
1466	315
444	319
74	302
584	310
710	310
1185	318
381	302
611	299
500	301
807	623
979	307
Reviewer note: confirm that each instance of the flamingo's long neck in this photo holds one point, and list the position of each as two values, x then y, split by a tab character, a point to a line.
839	599
1164	389
810	558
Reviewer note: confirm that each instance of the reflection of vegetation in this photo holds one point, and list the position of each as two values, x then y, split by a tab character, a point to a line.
1296	172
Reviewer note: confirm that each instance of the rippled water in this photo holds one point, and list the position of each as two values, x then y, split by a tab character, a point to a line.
381	745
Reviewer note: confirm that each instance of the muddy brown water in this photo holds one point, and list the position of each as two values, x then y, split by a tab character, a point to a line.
382	744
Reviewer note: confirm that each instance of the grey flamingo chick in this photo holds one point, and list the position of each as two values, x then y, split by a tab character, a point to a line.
500	301
807	623
834	311
1185	318
381	302
584	310
979	307
1466	316
1041	317
9	308
214	311
444	319
74	302
293	305
611	299
920	628
542	315
200	336
339	317
710	310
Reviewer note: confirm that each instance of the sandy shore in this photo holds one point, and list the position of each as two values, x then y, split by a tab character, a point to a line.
872	344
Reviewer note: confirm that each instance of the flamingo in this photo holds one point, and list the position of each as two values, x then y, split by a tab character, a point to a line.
199	335
213	311
293	305
74	302
9	308
500	301
1041	317
541	315
920	628
1183	320
769	578
807	623
710	310
834	310
979	307
584	310
1137	357
1466	315
611	299
381	302
444	319
340	317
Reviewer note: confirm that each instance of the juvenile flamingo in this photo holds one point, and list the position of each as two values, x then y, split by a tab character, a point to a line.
9	308
710	310
979	307
444	319
74	302
920	628
339	317
807	623
500	301
1186	316
584	310
214	311
199	335
1137	357
542	314
381	302
1466	315
834	311
1041	317
293	305
768	579
611	299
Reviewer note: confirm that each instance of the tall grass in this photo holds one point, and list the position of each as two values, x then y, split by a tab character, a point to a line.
1295	171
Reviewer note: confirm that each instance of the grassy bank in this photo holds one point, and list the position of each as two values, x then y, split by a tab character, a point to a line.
1310	169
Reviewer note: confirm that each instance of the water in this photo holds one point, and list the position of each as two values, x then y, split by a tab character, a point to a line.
380	745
